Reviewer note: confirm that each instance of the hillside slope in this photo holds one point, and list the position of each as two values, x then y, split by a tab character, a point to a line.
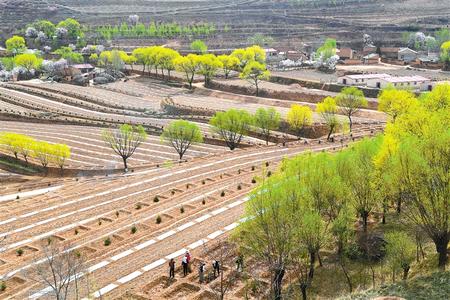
282	19
435	286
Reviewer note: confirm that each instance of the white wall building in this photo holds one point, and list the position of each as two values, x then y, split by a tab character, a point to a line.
360	79
414	83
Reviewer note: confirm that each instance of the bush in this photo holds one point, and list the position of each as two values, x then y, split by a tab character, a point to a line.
253	180
2	286
138	206
253	168
182	210
239	187
269	173
156	199
158	220
76	231
107	241
222	194
203	182
117	213
267	163
133	229
203	201
19	252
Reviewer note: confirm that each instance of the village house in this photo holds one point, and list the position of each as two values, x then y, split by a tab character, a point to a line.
371	59
389	52
369	50
407	55
360	79
345	53
414	83
84	68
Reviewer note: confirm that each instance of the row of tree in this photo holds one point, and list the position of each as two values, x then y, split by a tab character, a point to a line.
232	125
157	30
310	204
28	147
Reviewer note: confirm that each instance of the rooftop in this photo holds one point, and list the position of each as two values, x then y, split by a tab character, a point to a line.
369	76
406	79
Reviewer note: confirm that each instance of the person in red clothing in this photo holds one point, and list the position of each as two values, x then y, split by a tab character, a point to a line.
188	259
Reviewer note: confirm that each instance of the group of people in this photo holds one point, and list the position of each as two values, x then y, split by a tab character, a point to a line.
185	263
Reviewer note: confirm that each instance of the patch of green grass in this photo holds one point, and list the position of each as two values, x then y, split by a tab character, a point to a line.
435	286
14	165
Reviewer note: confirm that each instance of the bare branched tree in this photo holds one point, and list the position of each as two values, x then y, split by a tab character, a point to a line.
59	271
224	253
125	140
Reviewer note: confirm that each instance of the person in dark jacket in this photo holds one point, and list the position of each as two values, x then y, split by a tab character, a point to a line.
171	268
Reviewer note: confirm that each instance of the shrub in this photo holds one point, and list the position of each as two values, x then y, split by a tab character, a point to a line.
182	210
267	163
156	199
76	231
19	252
239	187
138	206
107	241
253	168
239	171
2	286
133	229
158	220
203	201
269	173
173	192
99	222
117	213
253	180
203	182
222	194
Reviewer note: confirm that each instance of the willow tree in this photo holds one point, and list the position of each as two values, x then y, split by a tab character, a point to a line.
255	72
396	102
357	170
231	125
351	100
181	135
189	65
417	154
271	232
327	109
299	117
125	140
267	120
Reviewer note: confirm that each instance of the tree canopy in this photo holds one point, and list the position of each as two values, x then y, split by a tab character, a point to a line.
231	125
181	135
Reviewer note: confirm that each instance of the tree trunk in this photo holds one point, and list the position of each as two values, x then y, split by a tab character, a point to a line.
125	165
330	132
312	261
277	286
257	88
347	277
364	216
441	243
303	287
405	272
399	204
350	123
320	259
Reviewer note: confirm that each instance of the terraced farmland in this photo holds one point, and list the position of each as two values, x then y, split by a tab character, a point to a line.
84	213
236	20
90	152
